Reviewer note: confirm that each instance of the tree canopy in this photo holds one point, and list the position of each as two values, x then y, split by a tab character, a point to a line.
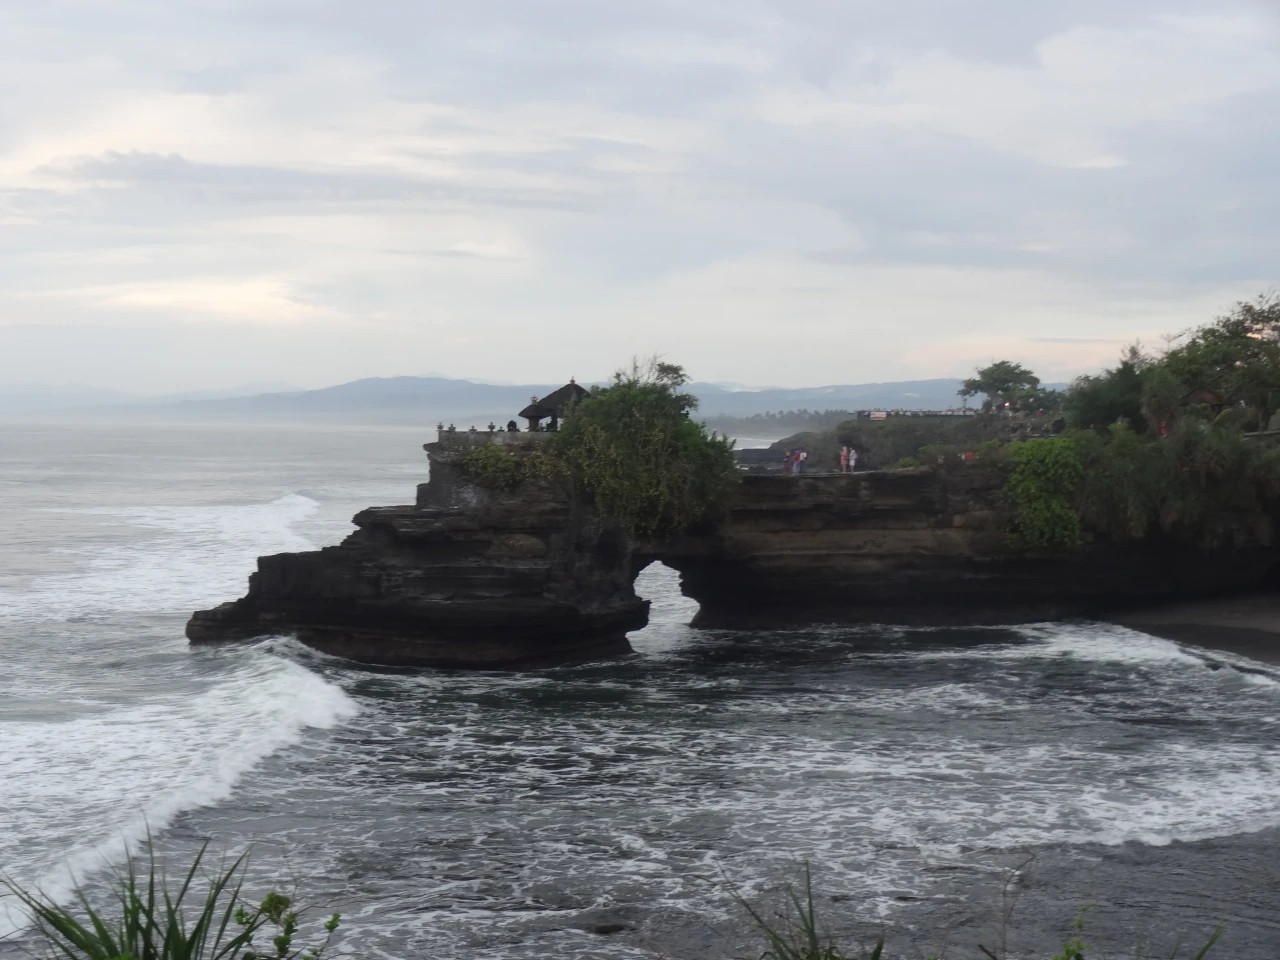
1004	384
1237	356
634	448
1116	394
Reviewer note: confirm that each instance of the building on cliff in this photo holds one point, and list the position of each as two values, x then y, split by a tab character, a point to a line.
552	407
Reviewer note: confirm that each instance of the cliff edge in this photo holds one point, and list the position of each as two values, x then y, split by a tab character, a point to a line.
475	577
464	577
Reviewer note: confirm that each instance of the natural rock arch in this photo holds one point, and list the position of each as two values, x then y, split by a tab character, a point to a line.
475	577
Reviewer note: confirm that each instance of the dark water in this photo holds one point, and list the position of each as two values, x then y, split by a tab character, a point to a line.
935	779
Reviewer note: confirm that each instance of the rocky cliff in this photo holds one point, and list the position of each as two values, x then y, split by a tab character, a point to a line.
920	546
474	577
465	577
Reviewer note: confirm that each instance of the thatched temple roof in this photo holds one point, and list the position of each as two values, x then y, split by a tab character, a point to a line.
554	403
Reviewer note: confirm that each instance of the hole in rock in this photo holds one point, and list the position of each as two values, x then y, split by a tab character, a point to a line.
670	611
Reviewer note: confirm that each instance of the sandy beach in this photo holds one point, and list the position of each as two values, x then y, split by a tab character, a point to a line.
1248	625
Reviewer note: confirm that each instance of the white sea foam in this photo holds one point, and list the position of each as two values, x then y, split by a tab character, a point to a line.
1106	643
178	558
1099	642
88	787
474	804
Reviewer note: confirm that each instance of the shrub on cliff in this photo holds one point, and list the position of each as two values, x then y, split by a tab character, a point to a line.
1042	487
494	467
1202	484
632	447
498	467
1115	394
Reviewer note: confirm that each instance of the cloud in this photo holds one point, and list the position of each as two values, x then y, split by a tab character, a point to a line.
768	192
1074	340
241	300
1083	86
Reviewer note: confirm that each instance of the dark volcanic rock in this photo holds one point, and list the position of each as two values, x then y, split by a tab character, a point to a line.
471	577
466	577
919	547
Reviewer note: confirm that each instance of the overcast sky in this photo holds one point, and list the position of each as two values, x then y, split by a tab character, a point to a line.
201	193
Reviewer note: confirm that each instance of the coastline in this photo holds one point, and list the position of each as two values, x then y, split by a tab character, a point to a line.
1248	626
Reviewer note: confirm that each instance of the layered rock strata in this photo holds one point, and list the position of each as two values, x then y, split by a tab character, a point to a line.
920	547
472	577
465	577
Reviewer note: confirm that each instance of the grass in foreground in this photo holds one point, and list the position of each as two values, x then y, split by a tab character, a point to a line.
796	934
157	923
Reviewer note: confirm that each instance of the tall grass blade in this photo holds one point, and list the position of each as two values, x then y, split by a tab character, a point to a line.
153	923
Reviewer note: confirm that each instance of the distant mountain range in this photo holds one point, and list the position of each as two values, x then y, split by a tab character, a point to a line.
426	400
22	398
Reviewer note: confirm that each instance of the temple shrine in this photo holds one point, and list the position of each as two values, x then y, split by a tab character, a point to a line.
552	407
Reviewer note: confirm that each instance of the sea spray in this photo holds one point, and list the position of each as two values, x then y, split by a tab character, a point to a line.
170	558
102	781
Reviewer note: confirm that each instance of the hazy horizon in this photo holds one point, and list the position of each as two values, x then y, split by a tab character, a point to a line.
245	390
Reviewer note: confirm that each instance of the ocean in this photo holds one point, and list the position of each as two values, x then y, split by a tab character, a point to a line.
948	787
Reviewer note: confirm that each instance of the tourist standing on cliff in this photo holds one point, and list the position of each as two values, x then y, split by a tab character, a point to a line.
786	462
844	459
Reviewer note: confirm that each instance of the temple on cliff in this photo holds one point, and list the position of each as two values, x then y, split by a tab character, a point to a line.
552	407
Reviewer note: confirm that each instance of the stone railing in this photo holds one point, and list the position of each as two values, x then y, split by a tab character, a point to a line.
468	439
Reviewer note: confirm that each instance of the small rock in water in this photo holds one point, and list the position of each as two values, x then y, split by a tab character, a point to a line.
607	928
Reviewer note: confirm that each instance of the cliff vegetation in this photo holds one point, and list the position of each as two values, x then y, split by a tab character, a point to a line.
633	449
1179	444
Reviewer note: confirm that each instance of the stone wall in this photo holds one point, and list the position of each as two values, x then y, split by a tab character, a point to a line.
464	440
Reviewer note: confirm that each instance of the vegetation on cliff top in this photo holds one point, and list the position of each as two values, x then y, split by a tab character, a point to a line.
1177	444
634	449
1008	386
1162	440
1156	445
1040	488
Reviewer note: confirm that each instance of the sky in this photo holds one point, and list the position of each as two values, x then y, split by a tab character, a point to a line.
204	193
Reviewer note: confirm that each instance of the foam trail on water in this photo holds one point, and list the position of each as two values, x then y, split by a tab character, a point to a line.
178	558
1107	643
100	782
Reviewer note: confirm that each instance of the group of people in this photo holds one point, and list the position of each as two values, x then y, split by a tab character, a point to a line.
795	461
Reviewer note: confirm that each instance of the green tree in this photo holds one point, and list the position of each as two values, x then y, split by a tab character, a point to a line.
1111	396
1003	383
1238	355
633	447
